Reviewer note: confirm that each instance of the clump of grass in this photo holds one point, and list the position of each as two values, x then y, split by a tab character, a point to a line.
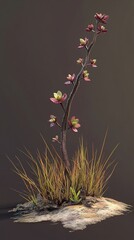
55	184
92	174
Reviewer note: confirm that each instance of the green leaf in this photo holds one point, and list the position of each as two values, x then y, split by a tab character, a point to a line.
75	195
78	193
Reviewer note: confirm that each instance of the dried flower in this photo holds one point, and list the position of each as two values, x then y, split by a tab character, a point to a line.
80	60
83	42
93	62
101	17
74	124
90	27
86	75
100	29
71	78
59	97
52	120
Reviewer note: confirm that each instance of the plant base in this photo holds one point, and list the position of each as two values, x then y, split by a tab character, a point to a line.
73	217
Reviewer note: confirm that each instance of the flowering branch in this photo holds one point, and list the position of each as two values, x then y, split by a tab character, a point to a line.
69	102
75	82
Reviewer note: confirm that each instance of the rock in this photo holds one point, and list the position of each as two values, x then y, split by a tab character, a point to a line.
74	217
23	208
89	201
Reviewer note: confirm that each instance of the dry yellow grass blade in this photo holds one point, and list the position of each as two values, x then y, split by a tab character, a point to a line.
49	179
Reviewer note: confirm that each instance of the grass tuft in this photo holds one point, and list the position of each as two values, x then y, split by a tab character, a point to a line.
88	176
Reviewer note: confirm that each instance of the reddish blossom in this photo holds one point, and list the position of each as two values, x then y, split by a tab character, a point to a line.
93	62
59	97
101	29
74	124
86	75
52	120
70	78
101	17
83	42
90	27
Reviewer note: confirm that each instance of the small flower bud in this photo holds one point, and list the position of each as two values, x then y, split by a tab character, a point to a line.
56	139
52	120
86	75
101	29
101	17
58	97
71	79
83	42
74	124
93	62
80	60
90	27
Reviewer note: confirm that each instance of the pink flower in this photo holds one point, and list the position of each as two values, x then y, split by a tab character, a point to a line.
71	78
90	27
52	120
74	124
59	97
100	29
93	62
86	75
80	61
101	17
83	42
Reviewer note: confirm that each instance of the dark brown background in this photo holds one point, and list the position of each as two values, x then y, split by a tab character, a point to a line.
38	48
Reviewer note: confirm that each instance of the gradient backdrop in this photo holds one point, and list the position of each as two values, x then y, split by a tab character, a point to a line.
38	48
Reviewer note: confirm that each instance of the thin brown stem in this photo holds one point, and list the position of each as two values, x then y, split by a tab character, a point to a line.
62	106
69	102
58	124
